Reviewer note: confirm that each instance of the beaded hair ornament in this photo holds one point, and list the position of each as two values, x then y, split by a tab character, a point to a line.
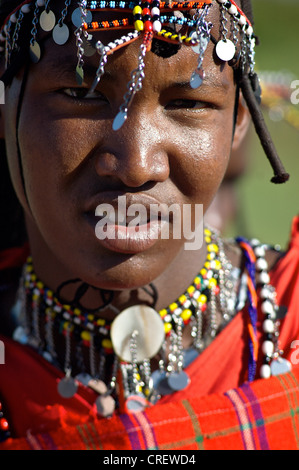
155	22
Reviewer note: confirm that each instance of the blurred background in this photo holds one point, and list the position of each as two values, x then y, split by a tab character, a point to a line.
265	210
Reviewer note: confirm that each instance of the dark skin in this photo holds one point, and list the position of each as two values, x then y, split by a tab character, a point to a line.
174	148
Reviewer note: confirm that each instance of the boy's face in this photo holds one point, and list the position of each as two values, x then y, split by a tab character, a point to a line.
173	149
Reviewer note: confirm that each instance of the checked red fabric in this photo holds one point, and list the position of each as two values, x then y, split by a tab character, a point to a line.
219	409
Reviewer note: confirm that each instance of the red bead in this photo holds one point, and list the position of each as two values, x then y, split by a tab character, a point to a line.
146	11
148	26
3	424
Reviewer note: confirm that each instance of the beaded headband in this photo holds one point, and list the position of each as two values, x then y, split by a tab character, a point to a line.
172	22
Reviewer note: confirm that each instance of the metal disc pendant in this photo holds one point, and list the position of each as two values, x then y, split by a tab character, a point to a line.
136	403
61	34
35	52
197	78
79	75
119	120
47	20
105	405
225	50
280	366
89	50
83	378
178	380
67	387
150	333
161	385
201	46
77	17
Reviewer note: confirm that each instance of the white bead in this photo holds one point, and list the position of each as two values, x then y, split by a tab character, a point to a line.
249	31
263	277
268	348
255	242
242	20
265	293
268	326
13	18
25	8
40	3
157	26
267	307
155	11
233	10
265	371
260	251
222	1
261	264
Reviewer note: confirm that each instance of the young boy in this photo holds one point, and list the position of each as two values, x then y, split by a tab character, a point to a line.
119	122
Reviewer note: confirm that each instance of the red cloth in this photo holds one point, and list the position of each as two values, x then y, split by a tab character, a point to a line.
28	384
13	257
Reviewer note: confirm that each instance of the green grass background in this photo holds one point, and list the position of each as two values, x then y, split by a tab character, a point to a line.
267	209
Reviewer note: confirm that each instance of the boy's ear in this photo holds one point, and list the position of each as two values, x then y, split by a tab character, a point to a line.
242	124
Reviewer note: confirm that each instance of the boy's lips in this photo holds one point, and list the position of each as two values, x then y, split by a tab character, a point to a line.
126	223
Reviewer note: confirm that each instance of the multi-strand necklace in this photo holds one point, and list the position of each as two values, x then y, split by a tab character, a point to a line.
139	356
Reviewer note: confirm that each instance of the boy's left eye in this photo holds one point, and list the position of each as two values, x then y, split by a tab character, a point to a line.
83	93
186	104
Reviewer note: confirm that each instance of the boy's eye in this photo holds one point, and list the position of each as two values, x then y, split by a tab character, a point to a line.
186	104
83	94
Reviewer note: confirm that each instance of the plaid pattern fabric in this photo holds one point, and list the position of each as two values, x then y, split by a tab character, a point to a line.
262	415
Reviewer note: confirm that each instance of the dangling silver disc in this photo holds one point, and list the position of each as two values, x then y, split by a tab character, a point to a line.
67	387
79	75
162	385
47	20
225	50
119	120
89	50
20	335
98	386
77	17
149	326
105	405
83	378
280	366
61	34
136	403
201	46
178	380
197	78
35	52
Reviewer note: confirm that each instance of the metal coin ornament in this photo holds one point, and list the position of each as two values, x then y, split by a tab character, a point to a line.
47	20
77	17
201	43
136	403
67	387
61	34
178	380
280	366
35	52
150	327
225	50
119	120
105	405
197	78
79	75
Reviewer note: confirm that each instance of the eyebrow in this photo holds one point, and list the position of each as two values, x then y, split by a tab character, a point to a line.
65	67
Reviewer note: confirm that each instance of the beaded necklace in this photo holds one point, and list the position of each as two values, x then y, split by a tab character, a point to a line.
211	291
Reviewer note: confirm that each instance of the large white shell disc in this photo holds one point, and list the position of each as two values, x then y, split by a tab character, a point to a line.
149	326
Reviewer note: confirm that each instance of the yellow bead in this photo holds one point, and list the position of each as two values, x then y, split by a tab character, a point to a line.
210	256
217	264
100	322
85	335
207	231
40	285
163	312
208	239
191	289
202	299
213	247
212	282
106	343
207	264
77	311
186	314
182	298
197	280
138	25
137	10
90	317
173	307
203	271
167	327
